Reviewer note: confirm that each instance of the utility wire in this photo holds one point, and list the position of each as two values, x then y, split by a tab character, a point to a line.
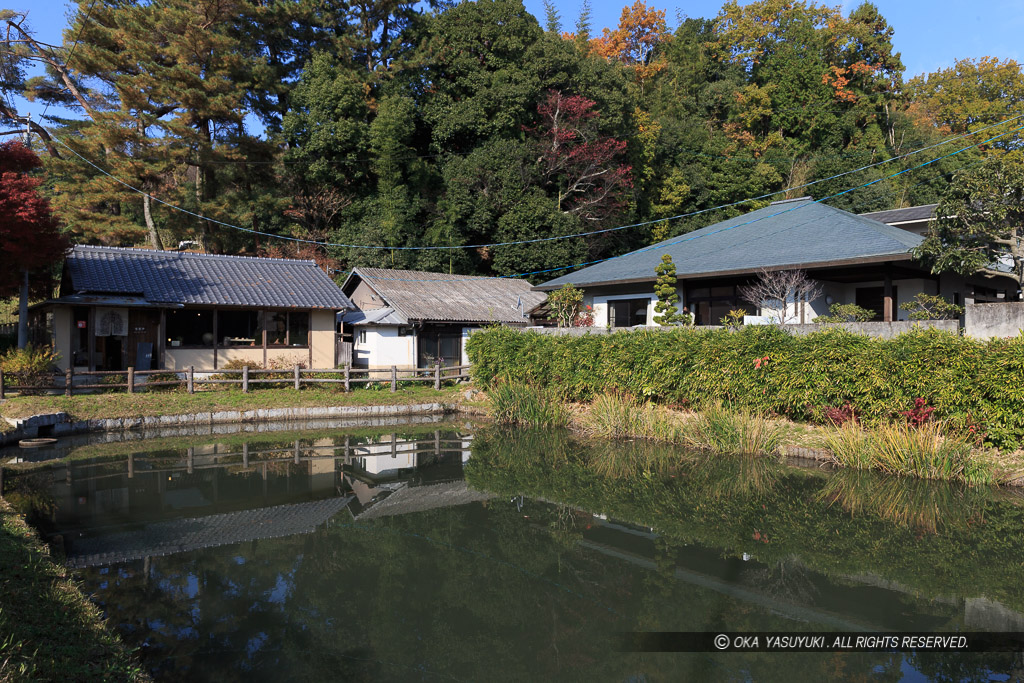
673	242
71	54
540	239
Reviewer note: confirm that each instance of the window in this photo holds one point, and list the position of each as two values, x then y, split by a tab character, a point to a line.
239	328
361	337
286	328
190	328
628	312
710	304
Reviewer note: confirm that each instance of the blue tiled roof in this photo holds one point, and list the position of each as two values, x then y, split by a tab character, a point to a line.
186	278
798	233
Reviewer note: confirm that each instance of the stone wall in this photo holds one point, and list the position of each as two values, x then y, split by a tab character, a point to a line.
878	329
985	321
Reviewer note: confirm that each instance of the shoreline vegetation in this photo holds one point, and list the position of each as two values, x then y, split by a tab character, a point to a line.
49	630
929	450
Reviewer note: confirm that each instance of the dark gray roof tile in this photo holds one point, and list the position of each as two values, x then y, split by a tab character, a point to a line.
203	279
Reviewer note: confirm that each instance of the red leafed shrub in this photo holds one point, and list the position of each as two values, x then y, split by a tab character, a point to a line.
919	414
839	416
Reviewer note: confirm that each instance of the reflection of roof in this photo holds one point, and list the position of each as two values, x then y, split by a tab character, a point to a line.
911	214
798	233
376	316
183	535
408	499
187	278
419	295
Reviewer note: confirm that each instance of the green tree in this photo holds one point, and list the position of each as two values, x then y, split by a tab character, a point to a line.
665	311
979	225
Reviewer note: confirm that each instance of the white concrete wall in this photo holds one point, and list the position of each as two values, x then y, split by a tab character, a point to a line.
383	347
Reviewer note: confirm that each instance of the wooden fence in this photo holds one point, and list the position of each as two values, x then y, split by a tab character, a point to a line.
247	378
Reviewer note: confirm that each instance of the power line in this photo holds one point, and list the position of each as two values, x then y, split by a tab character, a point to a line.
531	241
665	244
71	54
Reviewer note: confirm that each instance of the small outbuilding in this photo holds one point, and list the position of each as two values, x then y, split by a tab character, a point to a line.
171	310
414	319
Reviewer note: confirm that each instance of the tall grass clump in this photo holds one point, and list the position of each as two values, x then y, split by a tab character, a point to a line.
616	416
925	451
522	404
723	430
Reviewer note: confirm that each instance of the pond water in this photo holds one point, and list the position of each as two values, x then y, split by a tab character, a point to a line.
457	552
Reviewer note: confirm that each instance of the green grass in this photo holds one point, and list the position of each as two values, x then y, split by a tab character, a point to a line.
48	629
122	405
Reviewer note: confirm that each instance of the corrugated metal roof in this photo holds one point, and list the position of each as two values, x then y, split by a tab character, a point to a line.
911	213
376	316
419	295
799	233
186	278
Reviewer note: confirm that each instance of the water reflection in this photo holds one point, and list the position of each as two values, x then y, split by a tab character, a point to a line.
370	557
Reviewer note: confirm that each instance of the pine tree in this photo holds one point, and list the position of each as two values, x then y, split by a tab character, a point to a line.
665	311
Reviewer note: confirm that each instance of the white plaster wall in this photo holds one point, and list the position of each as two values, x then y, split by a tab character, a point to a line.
253	355
384	348
176	358
322	337
62	331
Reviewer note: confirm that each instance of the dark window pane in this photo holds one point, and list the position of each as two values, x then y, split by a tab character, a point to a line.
190	328
239	328
276	325
298	329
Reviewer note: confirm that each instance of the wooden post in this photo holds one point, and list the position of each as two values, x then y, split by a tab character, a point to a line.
394	378
131	466
131	379
348	373
190	378
437	377
297	452
437	442
69	381
887	300
1	482
245	379
296	377
245	455
191	454
1	386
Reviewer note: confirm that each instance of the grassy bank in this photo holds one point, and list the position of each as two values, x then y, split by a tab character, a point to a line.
121	405
49	631
929	451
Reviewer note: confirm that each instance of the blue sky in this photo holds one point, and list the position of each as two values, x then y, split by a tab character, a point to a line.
930	34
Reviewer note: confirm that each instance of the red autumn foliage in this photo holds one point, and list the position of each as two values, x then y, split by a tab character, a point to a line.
585	167
919	414
30	236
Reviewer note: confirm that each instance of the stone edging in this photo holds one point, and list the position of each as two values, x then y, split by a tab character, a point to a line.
61	424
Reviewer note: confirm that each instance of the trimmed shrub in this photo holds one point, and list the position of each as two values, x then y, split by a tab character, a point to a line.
762	369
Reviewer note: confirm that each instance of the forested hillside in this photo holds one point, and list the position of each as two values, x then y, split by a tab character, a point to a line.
387	123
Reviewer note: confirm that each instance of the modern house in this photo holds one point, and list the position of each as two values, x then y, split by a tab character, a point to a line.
411	318
856	258
171	310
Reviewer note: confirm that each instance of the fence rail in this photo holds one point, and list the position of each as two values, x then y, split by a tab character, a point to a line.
245	377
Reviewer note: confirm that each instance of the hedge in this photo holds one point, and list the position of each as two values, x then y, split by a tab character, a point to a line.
974	385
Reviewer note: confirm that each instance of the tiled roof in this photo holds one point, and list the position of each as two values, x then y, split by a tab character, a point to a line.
186	278
798	234
418	295
910	214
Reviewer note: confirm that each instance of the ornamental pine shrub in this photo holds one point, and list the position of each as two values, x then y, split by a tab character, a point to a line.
765	370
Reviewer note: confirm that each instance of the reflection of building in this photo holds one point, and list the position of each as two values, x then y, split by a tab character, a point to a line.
160	309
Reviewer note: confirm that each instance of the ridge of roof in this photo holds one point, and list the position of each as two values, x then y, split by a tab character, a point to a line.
136	251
